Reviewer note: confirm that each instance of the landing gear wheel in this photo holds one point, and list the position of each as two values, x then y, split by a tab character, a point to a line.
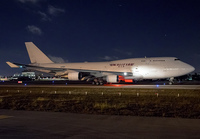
171	80
98	81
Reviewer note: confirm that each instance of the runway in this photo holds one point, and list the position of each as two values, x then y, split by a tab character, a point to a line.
29	124
162	86
109	86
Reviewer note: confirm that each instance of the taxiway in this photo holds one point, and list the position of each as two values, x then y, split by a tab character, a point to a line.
30	124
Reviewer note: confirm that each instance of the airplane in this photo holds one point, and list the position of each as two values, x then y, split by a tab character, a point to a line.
100	72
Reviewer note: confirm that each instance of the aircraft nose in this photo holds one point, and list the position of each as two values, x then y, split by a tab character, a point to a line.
190	68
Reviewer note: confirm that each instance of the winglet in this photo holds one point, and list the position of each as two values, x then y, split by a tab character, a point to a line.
12	65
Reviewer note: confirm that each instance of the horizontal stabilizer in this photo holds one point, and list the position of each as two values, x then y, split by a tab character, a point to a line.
12	65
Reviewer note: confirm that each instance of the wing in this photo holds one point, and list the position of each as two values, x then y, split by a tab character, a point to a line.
56	70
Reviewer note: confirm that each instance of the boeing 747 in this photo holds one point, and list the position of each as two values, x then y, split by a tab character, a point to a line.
100	72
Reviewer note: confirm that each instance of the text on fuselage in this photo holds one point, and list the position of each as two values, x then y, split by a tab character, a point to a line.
122	64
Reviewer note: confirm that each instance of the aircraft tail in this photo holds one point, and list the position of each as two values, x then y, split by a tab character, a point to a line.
35	54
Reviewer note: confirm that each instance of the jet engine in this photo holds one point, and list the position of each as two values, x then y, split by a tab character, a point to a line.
77	75
74	76
112	79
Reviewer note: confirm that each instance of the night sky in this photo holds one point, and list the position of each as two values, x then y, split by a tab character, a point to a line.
99	30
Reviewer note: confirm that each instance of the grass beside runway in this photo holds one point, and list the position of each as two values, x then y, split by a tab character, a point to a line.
111	101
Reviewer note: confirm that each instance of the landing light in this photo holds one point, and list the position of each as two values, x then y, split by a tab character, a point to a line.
157	85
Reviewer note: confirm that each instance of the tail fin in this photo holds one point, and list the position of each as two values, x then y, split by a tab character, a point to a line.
35	54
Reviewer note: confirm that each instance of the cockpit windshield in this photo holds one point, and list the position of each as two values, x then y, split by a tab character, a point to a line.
176	59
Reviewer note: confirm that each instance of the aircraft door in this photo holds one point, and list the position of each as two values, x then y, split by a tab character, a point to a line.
135	70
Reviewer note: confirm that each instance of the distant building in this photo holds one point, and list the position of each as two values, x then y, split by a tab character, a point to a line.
25	75
30	75
2	78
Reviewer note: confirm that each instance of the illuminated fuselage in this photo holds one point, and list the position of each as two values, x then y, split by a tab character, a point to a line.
135	68
112	71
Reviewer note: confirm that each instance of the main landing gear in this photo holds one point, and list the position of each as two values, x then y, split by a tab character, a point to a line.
98	81
171	80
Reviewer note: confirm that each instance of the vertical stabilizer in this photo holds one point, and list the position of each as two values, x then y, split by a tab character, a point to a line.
35	54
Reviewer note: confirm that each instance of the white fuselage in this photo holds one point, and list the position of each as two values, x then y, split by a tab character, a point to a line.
142	68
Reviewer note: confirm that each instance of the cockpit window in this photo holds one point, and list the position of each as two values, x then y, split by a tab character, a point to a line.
176	59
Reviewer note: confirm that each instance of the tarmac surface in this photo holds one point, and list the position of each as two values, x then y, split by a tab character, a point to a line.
33	124
144	84
158	86
109	86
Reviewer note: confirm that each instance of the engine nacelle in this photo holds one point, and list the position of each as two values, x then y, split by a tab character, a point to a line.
112	78
77	75
73	76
